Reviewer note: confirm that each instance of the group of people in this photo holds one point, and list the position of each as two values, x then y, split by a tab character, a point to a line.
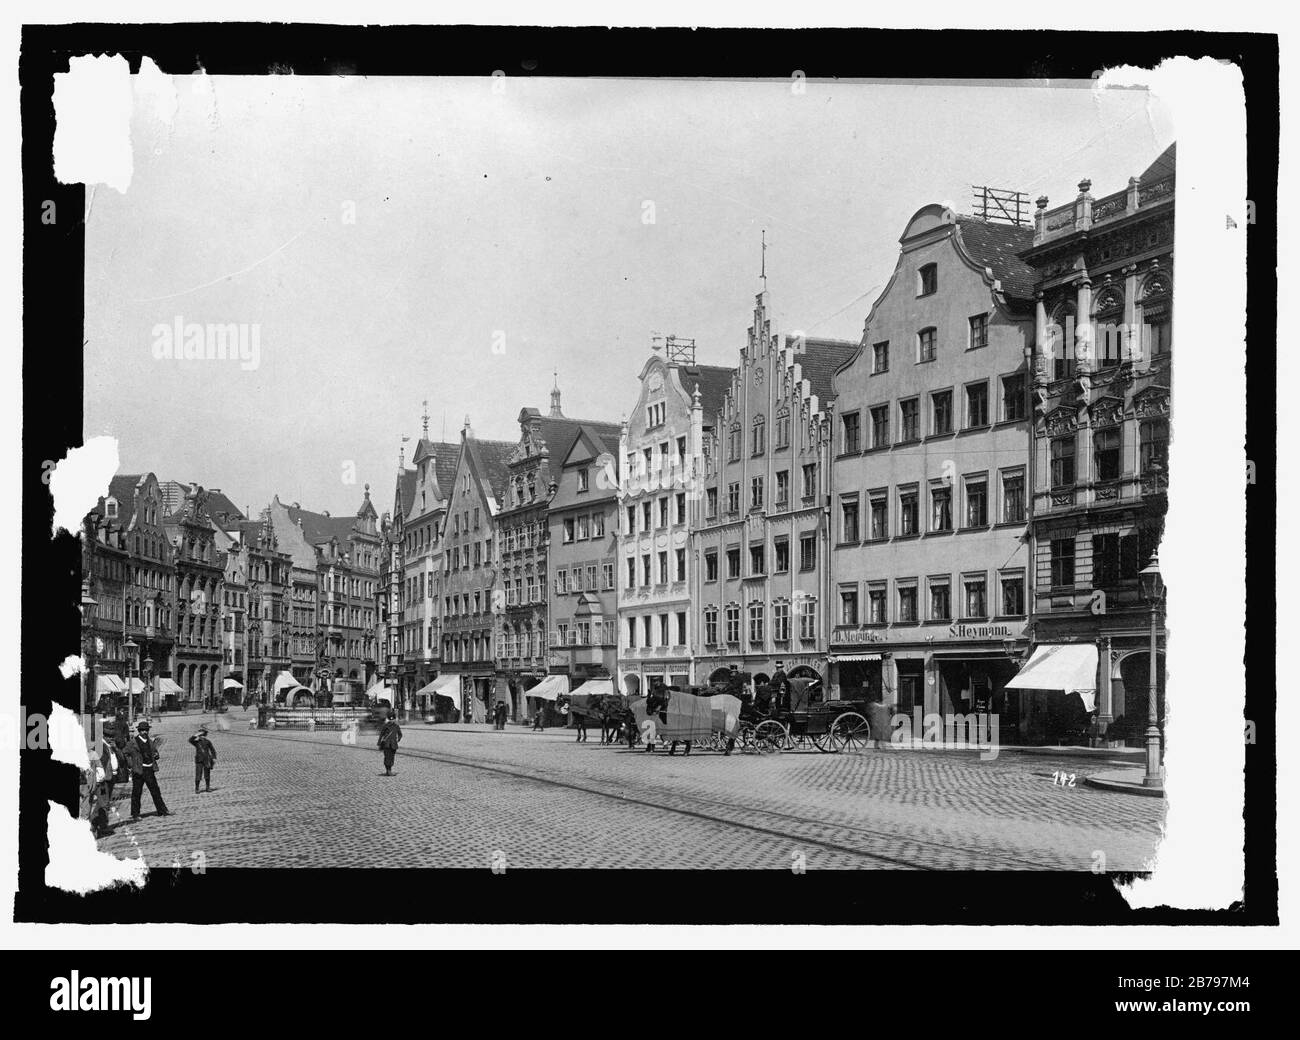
138	757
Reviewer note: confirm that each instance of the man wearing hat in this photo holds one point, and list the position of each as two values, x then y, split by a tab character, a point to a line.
142	755
205	757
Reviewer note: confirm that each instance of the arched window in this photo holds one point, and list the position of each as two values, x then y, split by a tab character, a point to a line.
1108	327
1059	346
758	442
1156	317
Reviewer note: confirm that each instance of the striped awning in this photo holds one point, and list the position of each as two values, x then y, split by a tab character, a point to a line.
109	683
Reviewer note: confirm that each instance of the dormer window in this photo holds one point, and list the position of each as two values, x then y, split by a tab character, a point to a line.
927	280
583	480
110	508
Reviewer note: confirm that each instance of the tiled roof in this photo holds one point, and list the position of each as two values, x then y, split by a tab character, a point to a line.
1162	167
490	460
820	359
406	490
561	434
998	246
714	381
318	528
445	457
122	487
219	505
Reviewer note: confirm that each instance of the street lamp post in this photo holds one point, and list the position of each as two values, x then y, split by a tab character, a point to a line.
130	646
88	605
146	673
1153	587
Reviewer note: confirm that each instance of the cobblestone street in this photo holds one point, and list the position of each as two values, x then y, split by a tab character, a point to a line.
460	796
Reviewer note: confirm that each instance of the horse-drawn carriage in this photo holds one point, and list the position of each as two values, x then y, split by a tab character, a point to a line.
803	719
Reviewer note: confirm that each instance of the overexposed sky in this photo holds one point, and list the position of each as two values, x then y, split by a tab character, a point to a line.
516	217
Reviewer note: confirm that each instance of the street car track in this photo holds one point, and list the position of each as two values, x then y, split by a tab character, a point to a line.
1007	861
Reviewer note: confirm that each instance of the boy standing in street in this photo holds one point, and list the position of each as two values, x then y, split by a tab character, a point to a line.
389	737
205	757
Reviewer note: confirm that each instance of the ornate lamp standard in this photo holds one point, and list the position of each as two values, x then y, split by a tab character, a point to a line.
130	647
146	672
1153	590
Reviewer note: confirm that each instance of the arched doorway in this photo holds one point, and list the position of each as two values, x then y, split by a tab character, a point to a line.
632	685
804	671
720	675
1132	698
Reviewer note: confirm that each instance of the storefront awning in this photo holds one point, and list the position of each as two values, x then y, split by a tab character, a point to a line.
595	688
109	683
284	681
446	685
166	685
549	688
232	684
1067	667
854	657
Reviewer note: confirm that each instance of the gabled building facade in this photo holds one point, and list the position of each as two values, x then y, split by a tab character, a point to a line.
583	534
419	552
761	545
198	656
931	558
525	638
1102	394
472	591
662	448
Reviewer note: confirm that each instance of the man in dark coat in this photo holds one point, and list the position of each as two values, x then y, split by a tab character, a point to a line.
142	756
205	757
780	684
389	737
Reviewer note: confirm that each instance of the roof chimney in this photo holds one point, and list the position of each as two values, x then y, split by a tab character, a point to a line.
467	430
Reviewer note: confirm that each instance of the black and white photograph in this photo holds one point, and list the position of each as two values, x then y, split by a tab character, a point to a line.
786	488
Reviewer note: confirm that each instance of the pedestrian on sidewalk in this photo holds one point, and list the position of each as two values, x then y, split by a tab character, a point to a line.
537	719
389	737
143	758
499	713
205	757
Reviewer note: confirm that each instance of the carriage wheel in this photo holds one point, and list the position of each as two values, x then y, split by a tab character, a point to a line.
770	735
849	732
824	743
